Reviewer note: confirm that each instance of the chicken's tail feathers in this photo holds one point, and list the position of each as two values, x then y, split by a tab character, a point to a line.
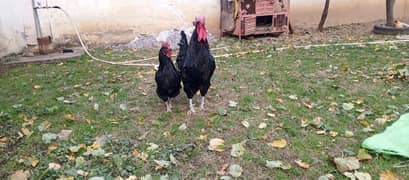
183	46
183	39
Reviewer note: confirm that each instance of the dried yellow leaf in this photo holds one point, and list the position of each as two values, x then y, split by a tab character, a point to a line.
388	175
282	143
95	146
34	163
333	133
202	137
302	164
216	144
77	86
4	140
69	117
26	132
52	147
361	117
136	153
359	100
363	155
305	122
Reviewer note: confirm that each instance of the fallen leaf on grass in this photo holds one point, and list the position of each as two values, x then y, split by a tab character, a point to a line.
279	100
64	134
302	164
34	163
167	134
238	149
282	143
97	178
245	124
182	127
321	132
3	141
262	125
308	104
48	137
274	164
347	106
216	144
202	137
327	177
152	147
277	164
52	147
26	132
235	170
358	175
293	97
221	111
359	101
349	134
304	122
333	133
362	176
44	126
20	175
141	155
123	107
347	164
272	115
54	166
380	121
140	138
223	170
160	164
388	175
332	106
74	149
361	117
363	155
82	173
69	117
368	130
173	160
232	104
317	122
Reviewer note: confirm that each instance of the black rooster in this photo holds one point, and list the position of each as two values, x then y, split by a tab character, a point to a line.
167	77
198	65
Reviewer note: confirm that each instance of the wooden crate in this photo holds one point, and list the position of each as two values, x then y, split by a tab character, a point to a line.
261	17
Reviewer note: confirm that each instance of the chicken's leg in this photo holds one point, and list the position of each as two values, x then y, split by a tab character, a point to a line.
192	109
168	106
202	103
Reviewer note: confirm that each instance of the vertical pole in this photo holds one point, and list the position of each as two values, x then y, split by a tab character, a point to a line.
389	12
324	16
36	20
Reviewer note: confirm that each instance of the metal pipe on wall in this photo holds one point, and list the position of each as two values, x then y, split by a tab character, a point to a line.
36	20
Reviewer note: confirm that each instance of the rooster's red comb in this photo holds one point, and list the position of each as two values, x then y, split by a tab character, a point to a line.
165	45
200	19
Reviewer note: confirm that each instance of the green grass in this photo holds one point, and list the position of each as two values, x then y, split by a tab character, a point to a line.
258	82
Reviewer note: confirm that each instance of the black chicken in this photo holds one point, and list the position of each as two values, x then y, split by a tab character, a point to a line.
198	65
167	77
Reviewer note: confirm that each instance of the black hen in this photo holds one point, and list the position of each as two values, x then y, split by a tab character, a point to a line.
183	46
198	64
167	77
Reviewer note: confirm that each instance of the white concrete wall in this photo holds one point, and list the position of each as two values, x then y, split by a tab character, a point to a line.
123	19
308	12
